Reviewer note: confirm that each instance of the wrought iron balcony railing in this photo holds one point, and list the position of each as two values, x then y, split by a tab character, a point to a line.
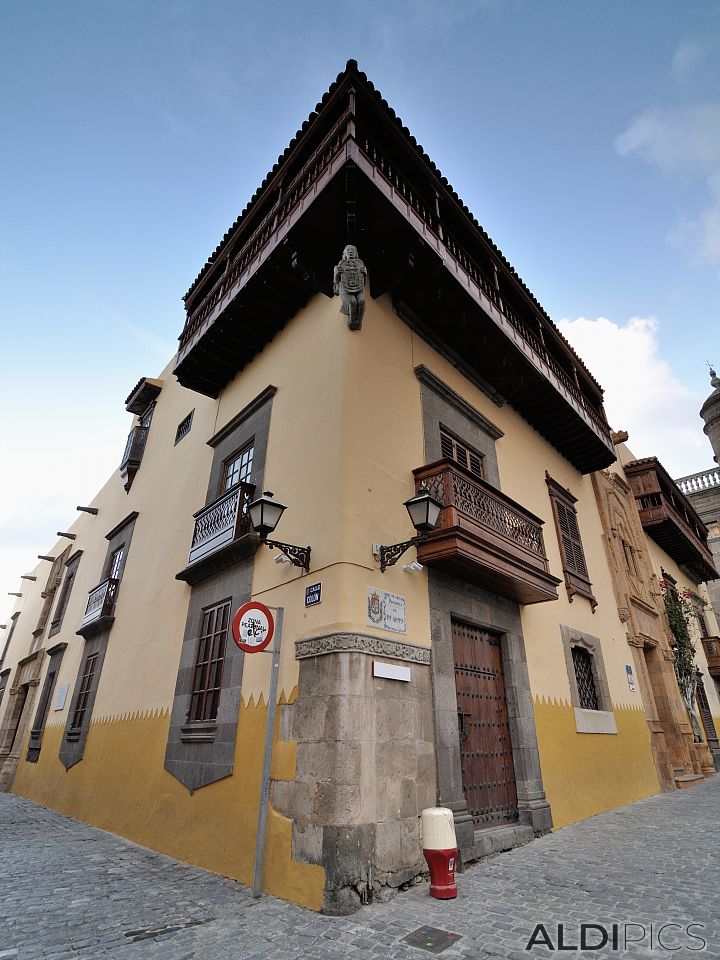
221	523
485	537
101	602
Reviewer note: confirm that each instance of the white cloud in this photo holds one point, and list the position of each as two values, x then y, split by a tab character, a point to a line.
688	56
675	139
702	234
642	395
683	141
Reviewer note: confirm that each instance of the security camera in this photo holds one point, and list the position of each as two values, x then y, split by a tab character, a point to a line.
413	567
281	558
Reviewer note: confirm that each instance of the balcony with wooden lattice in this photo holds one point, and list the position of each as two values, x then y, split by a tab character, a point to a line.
711	646
484	537
668	517
354	174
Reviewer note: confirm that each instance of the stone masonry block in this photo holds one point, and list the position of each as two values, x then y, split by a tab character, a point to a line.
307	843
337	804
329	762
397	718
396	760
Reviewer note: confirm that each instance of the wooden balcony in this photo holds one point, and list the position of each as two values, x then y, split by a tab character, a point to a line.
100	609
422	247
711	646
222	535
668	517
484	537
132	457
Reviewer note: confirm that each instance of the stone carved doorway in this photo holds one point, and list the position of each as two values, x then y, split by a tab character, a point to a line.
486	758
18	706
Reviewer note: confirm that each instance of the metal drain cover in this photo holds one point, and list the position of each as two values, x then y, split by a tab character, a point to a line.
431	939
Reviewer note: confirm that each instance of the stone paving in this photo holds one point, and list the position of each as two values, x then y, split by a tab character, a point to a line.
69	891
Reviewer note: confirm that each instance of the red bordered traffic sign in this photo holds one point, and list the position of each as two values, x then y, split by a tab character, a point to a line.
253	627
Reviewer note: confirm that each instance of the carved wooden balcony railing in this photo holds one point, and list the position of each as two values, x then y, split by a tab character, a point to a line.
532	337
222	534
711	646
264	236
132	457
484	537
100	609
669	518
355	153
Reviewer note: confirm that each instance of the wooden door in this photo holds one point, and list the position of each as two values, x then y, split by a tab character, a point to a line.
486	758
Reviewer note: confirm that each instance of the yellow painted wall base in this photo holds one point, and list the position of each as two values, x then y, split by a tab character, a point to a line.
121	786
588	773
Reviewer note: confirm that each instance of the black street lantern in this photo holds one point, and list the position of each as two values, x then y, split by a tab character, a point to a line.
424	511
265	513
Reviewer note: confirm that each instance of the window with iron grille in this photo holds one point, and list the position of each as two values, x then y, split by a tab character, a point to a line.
587	691
3	683
183	428
237	469
577	579
115	564
460	452
84	693
207	676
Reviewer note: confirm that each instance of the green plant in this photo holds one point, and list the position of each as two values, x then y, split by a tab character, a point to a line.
679	608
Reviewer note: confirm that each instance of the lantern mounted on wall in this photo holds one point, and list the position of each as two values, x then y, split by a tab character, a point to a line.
265	513
424	511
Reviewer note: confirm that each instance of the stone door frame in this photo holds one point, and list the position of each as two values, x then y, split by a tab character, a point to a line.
452	599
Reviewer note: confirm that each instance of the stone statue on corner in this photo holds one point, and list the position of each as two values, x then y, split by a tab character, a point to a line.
349	282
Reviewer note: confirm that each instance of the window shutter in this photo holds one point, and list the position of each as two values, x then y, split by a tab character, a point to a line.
468	458
572	554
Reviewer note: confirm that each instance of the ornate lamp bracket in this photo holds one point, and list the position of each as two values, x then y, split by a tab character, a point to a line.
298	556
389	555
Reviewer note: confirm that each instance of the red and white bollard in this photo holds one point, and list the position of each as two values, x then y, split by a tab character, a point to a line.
440	850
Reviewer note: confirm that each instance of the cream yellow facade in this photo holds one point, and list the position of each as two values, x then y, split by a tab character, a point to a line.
337	419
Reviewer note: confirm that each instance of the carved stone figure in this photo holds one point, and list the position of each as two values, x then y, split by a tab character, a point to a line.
349	282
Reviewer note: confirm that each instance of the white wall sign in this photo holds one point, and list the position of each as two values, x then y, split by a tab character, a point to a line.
61	696
391	671
386	610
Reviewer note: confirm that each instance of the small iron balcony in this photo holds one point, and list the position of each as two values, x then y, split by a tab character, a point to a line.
222	534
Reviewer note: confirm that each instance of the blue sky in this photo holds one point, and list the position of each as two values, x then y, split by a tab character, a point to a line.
585	137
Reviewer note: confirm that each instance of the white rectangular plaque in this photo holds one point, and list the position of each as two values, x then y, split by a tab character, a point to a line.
61	696
391	671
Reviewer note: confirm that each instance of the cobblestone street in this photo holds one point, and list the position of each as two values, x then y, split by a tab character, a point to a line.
68	890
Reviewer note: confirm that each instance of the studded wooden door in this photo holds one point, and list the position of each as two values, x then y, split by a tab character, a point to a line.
485	748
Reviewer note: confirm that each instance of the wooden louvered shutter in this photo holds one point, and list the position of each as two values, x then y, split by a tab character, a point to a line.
461	453
575	569
570	539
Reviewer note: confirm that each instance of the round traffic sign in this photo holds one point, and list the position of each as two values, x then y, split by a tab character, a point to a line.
253	627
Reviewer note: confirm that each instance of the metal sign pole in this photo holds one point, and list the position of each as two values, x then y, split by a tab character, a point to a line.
267	758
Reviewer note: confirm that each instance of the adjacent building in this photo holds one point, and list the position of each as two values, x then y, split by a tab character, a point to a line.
703	491
512	664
